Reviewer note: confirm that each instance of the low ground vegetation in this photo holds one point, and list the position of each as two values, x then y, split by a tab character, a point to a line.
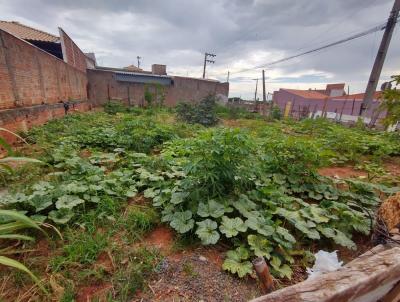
253	187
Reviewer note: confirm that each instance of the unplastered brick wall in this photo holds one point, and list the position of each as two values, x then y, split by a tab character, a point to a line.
22	119
71	52
30	76
103	87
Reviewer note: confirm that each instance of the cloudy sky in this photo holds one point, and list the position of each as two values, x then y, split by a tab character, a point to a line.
242	33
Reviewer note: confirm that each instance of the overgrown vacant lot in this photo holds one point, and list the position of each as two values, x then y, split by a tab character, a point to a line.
152	209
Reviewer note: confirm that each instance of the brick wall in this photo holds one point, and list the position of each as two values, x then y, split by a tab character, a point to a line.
22	119
30	76
71	52
103	86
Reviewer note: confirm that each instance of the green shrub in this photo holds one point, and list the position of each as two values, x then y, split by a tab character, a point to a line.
203	113
114	107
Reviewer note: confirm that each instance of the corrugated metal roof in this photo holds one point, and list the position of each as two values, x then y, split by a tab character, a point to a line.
134	77
26	32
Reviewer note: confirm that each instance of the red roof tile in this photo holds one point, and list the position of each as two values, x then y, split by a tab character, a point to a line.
357	96
308	94
27	33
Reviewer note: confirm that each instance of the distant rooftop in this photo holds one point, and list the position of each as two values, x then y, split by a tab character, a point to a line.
308	94
27	33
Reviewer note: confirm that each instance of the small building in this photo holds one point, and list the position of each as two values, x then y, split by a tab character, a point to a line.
332	102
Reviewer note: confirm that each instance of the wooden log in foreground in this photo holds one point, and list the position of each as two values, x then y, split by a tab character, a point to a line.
366	279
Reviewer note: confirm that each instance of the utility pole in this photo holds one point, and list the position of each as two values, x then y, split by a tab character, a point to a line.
206	60
380	58
227	78
138	61
263	79
255	93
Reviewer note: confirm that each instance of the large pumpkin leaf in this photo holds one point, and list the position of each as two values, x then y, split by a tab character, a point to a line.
61	216
68	202
207	231
260	246
236	262
211	209
232	226
182	222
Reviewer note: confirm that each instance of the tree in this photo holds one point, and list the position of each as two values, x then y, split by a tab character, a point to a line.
391	103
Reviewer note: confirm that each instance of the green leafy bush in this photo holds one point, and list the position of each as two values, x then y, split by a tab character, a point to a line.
114	107
203	113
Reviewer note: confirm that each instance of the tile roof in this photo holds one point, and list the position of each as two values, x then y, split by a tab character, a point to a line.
308	94
27	33
335	86
357	96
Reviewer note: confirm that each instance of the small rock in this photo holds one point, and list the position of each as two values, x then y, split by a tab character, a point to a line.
202	258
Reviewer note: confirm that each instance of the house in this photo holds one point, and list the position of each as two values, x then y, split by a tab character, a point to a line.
332	102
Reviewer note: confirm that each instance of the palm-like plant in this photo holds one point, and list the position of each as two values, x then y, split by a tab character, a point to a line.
12	223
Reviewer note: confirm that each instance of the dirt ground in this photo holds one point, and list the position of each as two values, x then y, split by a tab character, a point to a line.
193	275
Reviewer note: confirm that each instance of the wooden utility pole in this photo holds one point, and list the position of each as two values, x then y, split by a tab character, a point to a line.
263	79
138	61
380	58
206	60
227	78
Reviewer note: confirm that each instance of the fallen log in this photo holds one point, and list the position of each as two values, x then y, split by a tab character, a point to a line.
367	278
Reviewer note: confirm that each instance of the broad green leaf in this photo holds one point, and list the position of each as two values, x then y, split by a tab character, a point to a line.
285	271
236	262
150	193
259	225
338	236
232	226
68	202
75	188
239	268
206	230
40	202
275	262
178	197
260	246
182	222
61	216
285	234
211	208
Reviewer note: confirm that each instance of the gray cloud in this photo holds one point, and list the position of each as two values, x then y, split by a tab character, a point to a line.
243	33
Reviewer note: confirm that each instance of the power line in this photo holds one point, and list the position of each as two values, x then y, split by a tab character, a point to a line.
356	36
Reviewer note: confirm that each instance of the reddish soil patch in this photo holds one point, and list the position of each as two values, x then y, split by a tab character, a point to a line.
214	256
105	262
42	248
197	276
342	172
139	200
162	238
97	292
85	153
392	166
